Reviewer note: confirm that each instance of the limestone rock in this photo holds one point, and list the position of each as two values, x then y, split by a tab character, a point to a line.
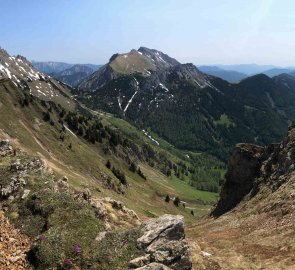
26	193
5	148
114	214
154	266
62	185
164	240
167	226
140	261
16	183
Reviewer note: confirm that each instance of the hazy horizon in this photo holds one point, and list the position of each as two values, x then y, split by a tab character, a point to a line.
201	32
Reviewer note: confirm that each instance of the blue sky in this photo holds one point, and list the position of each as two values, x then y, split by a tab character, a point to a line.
202	32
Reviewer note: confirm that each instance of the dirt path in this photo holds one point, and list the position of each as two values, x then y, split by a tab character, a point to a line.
13	246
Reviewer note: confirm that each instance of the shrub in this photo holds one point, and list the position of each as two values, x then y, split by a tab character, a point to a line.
132	167
176	201
108	164
167	198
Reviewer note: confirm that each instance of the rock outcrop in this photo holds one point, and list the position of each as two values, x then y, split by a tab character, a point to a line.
114	214
19	170
252	168
243	167
163	241
5	148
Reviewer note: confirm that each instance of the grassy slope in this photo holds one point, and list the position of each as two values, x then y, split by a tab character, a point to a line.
84	164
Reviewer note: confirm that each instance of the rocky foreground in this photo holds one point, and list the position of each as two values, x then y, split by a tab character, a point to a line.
42	206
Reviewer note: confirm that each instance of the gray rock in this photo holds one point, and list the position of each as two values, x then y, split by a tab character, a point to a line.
154	266
26	193
16	183
62	185
164	240
167	226
140	261
5	148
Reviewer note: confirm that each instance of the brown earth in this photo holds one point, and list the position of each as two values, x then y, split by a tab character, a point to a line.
13	246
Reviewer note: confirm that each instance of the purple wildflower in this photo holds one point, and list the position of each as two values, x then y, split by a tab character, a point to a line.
78	248
41	237
68	262
125	242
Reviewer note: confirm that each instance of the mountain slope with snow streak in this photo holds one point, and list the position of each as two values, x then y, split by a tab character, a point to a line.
23	75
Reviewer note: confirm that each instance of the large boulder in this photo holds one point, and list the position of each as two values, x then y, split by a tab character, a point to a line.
163	239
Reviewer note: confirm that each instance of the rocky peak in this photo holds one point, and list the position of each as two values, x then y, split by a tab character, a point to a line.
132	62
160	59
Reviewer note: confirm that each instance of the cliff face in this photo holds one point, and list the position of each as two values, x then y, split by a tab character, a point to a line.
252	169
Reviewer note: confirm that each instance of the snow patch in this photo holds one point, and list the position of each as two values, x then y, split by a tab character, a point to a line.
163	87
150	137
70	131
130	101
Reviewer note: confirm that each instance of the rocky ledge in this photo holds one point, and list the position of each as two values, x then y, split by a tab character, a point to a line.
252	168
163	242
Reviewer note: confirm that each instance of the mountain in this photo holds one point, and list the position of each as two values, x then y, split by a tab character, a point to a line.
227	75
248	69
191	110
23	75
50	66
276	71
74	75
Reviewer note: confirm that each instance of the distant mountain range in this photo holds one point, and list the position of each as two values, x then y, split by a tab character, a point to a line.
228	75
71	74
56	67
74	75
236	73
